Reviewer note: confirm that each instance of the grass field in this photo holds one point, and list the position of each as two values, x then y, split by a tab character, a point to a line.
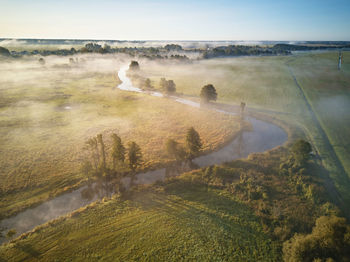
48	112
328	91
255	80
44	126
182	219
153	226
267	84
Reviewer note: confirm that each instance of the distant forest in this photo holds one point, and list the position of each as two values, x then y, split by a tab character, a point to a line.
172	51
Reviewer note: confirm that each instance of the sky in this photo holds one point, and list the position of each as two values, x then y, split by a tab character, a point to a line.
297	20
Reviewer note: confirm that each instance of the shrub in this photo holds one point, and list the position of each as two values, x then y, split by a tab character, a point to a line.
330	239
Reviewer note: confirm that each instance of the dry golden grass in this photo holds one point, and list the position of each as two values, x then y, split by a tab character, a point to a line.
43	129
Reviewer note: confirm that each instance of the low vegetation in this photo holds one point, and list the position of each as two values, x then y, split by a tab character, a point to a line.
243	210
328	241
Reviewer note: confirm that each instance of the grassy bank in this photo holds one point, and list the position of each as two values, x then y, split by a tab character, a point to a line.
204	215
326	89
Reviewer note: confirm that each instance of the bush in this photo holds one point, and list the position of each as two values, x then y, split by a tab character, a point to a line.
134	66
4	51
208	92
301	150
330	239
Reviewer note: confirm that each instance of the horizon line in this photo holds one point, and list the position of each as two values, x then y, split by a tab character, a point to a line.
160	40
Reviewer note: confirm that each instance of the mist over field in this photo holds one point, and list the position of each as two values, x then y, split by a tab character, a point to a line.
61	44
51	105
174	130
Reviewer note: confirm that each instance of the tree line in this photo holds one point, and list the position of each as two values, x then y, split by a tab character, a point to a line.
128	159
102	171
120	155
208	92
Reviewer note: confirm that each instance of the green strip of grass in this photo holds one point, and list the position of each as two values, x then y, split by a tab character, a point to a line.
193	224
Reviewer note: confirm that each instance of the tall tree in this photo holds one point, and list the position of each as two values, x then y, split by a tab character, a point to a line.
193	142
87	169
118	150
148	83
328	241
301	150
174	150
208	92
4	51
171	147
103	153
95	156
134	155
163	83
134	66
171	87
168	86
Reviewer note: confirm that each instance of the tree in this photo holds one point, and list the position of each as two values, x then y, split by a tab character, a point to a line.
118	150
148	84
168	86
174	150
95	156
171	87
208	174
106	48
86	169
173	47
134	66
4	51
103	153
134	155
330	239
41	61
171	147
301	150
163	83
208	92
193	142
92	47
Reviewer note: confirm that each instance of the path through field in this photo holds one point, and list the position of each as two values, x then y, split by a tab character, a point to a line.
328	182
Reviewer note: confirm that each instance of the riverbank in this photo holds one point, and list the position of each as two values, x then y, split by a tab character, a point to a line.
261	138
43	132
192	216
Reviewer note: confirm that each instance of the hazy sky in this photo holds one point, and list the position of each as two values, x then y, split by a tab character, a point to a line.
176	20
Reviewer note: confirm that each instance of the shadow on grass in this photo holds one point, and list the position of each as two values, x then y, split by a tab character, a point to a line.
197	201
28	249
213	218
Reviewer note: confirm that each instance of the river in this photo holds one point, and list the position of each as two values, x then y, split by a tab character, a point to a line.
262	136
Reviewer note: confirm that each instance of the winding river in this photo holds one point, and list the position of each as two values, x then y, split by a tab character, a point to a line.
263	136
